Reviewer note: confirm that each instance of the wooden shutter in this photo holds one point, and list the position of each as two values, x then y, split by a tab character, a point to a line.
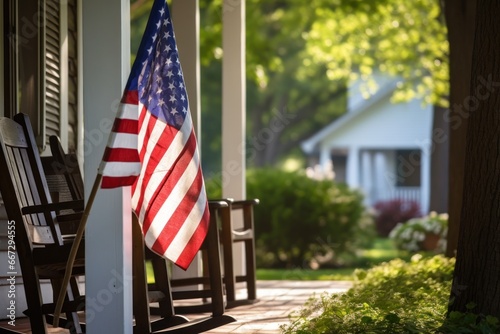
52	69
42	66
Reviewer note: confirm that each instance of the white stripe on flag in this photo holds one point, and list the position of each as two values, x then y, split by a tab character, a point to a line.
117	169
174	199
129	111
122	140
166	162
186	231
144	127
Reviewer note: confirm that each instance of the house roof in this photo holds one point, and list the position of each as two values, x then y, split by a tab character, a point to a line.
359	108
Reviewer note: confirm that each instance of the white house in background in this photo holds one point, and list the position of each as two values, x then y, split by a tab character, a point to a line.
378	146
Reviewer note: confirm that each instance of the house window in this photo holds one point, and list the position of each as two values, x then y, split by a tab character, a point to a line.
40	57
408	168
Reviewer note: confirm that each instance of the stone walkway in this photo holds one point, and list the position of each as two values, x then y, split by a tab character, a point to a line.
277	299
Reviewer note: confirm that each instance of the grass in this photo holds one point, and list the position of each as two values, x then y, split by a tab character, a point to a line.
383	250
342	274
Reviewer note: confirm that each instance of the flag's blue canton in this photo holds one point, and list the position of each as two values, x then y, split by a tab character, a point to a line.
161	84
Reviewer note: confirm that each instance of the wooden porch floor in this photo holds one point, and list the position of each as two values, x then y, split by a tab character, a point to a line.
276	300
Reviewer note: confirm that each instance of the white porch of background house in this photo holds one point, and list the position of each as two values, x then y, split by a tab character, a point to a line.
374	172
383	126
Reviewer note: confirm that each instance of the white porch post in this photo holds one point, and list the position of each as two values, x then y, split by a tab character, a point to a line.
367	175
108	240
325	157
234	107
353	167
379	169
233	99
382	183
425	179
186	20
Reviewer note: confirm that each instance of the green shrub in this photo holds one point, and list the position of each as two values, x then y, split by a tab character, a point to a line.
394	297
301	221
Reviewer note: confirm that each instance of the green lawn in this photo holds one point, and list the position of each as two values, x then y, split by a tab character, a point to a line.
343	274
383	250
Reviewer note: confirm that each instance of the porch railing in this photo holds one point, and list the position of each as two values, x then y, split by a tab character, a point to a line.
402	193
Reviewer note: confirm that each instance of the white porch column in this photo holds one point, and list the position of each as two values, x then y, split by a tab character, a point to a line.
367	175
186	20
379	172
425	179
353	167
383	168
234	109
108	240
325	157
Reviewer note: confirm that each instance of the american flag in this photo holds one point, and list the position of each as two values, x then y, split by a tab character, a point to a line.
168	196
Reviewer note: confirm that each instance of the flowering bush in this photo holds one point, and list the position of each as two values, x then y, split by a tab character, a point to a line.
389	213
415	233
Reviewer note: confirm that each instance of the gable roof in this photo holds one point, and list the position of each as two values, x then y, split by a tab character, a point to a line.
357	109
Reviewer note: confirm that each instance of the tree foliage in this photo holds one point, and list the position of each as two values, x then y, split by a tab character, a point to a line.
276	82
300	57
405	39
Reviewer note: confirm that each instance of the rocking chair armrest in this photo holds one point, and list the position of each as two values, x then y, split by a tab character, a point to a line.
238	204
216	204
246	202
77	205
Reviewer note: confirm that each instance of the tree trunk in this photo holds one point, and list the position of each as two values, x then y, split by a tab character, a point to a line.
477	271
460	18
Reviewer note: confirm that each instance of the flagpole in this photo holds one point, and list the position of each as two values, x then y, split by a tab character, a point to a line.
74	250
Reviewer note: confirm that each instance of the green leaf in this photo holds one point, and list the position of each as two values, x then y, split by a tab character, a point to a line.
492	320
470	306
366	320
392	318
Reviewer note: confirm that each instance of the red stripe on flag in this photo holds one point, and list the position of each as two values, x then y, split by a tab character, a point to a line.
174	224
193	246
147	134
142	115
124	125
130	97
120	155
169	181
114	182
157	154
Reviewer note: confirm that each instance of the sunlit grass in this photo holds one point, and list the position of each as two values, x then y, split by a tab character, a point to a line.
343	274
149	272
383	250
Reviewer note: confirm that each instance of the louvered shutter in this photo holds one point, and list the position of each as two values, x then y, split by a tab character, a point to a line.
52	69
42	83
